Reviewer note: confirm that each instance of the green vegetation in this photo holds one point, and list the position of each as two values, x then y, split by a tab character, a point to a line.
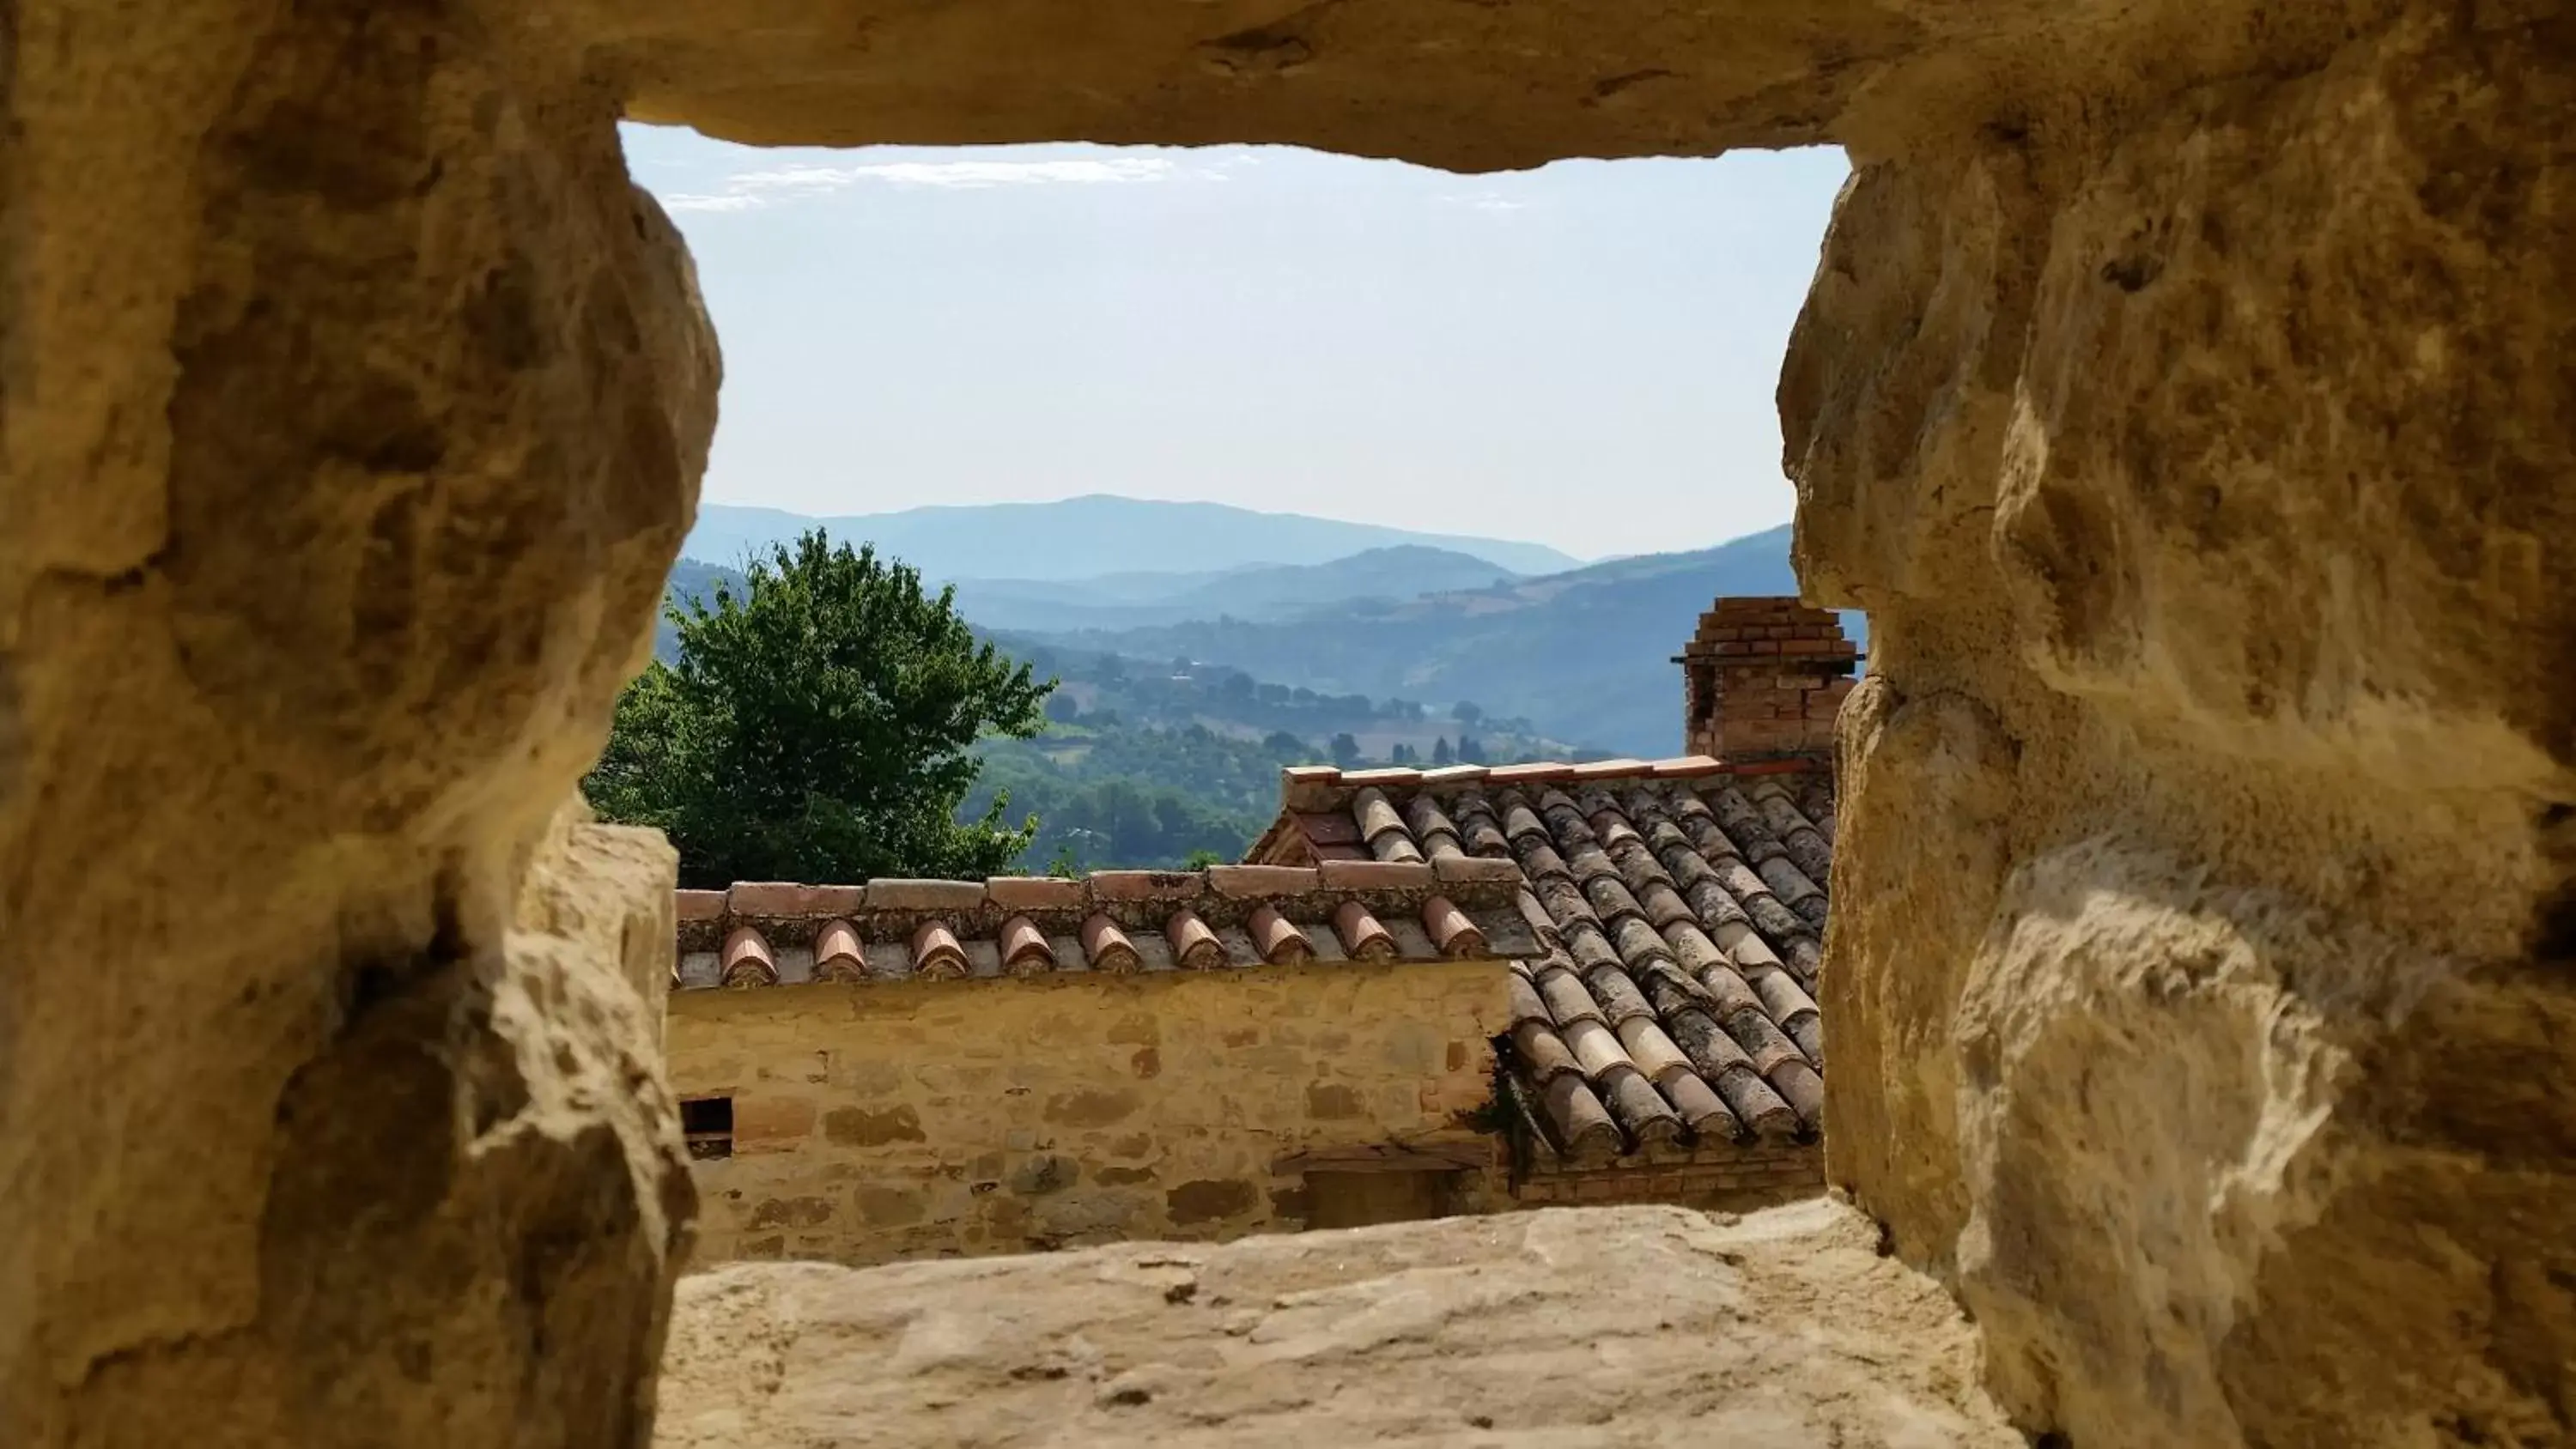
819	723
1142	762
1109	793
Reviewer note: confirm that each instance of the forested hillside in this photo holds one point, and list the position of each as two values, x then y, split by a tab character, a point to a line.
1585	655
1147	762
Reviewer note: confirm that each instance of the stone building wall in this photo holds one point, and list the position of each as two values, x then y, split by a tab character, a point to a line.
919	1119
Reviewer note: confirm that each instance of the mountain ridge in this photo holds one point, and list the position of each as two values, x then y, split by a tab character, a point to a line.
1585	654
1092	535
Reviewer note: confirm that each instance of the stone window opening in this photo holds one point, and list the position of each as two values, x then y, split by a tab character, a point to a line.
706	1124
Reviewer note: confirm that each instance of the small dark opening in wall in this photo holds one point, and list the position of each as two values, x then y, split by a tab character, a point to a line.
707	1124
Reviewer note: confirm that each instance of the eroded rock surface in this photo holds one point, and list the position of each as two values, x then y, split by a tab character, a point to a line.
2201	954
2184	391
353	404
1630	1325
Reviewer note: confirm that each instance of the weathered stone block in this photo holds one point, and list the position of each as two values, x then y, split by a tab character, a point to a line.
1204	1201
866	1127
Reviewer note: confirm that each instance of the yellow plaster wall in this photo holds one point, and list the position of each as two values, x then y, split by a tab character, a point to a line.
921	1119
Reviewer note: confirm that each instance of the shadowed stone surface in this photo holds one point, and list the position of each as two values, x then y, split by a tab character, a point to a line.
353	404
2200	956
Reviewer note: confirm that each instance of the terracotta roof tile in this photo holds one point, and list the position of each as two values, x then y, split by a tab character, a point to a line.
935	952
698	905
1034	893
1543	1054
747	961
1526	1003
1249	882
1581	1124
1147	885
1374	875
1450	930
1677	909
1474	869
1278	940
1106	947
781	898
836	953
1025	950
909	895
1362	935
1524	774
1194	946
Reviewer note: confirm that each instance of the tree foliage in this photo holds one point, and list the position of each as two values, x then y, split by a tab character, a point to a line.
820	726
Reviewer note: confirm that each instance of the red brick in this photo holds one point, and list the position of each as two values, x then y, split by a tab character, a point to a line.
925	895
1374	874
698	905
1035	893
1469	869
1252	882
1533	773
1147	885
786	898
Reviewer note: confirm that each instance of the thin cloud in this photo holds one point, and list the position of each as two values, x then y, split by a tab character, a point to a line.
1484	201
749	190
685	201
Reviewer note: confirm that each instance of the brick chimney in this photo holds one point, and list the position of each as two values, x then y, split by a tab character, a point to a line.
1763	679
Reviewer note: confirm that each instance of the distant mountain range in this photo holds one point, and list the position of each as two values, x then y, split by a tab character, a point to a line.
1089	537
1584	654
1259	592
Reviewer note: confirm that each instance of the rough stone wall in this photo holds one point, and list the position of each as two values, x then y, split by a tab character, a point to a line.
2201	951
900	1120
352	404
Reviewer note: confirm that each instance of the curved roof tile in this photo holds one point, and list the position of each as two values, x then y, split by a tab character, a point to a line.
1682	909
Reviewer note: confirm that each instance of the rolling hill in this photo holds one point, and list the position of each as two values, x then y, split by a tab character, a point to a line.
1275	591
1585	654
1084	538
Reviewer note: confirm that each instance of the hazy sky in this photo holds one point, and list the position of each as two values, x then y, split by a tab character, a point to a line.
1582	355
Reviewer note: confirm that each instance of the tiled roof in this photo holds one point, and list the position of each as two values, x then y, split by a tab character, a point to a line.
1679	911
764	934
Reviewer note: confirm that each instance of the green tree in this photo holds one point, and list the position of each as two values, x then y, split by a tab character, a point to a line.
819	728
1346	750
